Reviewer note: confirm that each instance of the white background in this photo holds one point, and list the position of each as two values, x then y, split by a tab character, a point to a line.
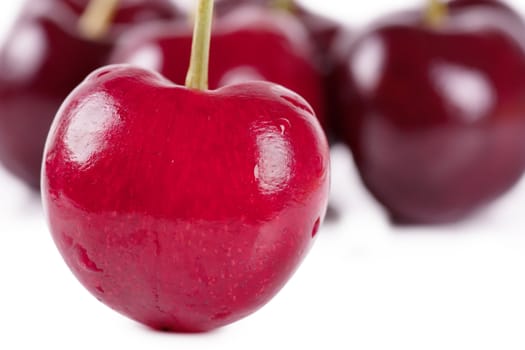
365	284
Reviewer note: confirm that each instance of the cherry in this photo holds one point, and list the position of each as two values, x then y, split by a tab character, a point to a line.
44	58
323	32
182	208
249	44
434	109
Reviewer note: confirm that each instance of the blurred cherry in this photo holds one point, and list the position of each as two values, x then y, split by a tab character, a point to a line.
435	109
323	32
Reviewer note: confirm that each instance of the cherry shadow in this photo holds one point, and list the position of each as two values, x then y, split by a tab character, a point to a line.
333	214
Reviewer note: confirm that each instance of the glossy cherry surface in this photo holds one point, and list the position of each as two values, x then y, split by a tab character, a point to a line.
435	116
184	210
249	44
43	59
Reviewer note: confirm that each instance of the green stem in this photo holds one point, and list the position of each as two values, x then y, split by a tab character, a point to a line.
436	13
197	77
96	19
283	5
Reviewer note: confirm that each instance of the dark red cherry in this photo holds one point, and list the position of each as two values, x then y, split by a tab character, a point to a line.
435	111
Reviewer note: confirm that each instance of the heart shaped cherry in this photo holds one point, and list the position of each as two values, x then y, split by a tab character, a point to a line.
248	44
435	113
182	208
44	58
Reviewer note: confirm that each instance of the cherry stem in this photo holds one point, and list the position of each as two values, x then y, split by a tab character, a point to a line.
283	5
197	77
436	12
96	19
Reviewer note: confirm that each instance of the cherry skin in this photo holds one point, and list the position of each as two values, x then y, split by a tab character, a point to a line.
248	44
186	210
435	116
43	59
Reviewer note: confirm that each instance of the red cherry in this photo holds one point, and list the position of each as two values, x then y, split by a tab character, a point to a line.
43	59
323	33
248	44
435	114
184	209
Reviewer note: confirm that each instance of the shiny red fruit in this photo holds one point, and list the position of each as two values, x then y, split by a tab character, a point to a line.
435	116
184	210
43	59
249	44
